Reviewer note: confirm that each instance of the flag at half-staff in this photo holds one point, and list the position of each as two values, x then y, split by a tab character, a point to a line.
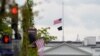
59	28
57	21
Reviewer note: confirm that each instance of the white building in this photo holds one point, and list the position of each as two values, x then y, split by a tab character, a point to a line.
71	48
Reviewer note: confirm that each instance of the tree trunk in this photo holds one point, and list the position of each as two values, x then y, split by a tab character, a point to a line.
26	50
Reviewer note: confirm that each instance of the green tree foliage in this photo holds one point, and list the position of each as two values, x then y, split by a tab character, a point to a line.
26	23
43	32
4	27
28	18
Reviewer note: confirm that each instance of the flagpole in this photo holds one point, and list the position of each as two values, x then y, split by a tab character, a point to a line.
63	21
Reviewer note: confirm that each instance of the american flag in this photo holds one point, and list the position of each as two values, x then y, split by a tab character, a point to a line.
40	46
57	21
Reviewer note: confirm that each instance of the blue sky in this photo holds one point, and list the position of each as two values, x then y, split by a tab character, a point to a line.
80	17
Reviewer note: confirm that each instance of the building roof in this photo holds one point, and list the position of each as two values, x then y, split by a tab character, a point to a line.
65	49
78	42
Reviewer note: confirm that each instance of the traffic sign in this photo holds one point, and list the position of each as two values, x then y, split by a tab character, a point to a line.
32	32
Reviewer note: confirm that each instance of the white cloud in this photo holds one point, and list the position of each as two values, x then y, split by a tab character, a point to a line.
71	33
75	19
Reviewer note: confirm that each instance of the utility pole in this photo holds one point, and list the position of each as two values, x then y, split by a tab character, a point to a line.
63	36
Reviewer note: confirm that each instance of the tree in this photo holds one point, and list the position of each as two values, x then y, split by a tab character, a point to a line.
28	18
43	32
27	22
5	28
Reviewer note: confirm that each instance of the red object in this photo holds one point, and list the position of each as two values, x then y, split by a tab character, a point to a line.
57	21
14	10
6	39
